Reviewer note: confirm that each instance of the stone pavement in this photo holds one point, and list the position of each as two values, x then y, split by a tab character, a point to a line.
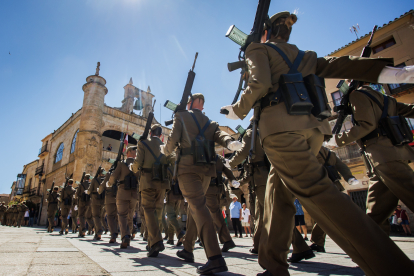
32	251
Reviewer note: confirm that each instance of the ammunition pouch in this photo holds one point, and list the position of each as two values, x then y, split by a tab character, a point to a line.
316	88
394	127
130	181
201	148
159	170
67	201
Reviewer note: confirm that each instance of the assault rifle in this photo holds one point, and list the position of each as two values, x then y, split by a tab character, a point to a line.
51	190
148	125
187	93
67	179
118	157
244	41
97	173
344	109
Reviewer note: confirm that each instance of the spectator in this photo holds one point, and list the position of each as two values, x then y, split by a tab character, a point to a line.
246	219
236	215
300	219
31	217
109	147
404	220
26	218
224	215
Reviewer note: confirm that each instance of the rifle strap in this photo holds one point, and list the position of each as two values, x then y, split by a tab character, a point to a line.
157	159
327	157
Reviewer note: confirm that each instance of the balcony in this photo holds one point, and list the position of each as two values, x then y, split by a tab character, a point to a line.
400	88
26	190
34	192
43	150
349	154
40	170
108	155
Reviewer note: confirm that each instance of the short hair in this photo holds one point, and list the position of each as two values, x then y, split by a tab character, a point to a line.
280	28
157	131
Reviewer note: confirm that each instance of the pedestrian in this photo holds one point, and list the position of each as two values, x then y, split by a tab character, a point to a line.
300	219
236	215
403	219
246	220
26	217
31	217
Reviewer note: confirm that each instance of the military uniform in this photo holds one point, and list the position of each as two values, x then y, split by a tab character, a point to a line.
194	180
66	198
103	221
22	209
260	173
126	200
2	213
392	178
84	210
110	207
152	191
74	215
291	144
52	201
97	201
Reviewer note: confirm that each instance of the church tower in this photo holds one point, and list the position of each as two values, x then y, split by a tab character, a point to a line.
143	101
89	140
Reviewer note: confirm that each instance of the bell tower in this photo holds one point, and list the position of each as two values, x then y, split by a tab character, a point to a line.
89	140
143	99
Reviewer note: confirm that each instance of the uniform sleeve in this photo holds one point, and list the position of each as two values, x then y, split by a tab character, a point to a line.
222	137
175	135
342	168
364	117
115	175
78	190
241	154
406	110
226	170
260	79
90	189
352	67
139	160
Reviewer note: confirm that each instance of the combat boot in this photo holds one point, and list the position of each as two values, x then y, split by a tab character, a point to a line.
297	257
155	249
213	266
186	256
125	241
180	238
228	245
61	232
171	242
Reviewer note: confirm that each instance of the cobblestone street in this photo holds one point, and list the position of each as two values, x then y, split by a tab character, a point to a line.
32	251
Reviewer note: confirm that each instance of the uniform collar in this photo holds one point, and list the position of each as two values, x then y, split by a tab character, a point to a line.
276	40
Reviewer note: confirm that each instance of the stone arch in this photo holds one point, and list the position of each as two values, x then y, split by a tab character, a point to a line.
59	153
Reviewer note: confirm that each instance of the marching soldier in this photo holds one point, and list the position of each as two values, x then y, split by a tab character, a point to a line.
194	179
52	207
66	198
151	164
103	221
3	209
127	194
258	170
291	143
74	216
84	210
22	209
97	201
144	230
110	207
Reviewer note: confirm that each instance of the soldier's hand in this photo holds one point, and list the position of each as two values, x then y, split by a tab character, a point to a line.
353	181
87	192
235	184
234	145
230	113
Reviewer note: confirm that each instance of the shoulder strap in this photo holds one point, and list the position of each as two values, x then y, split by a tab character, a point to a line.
201	131
384	108
157	159
293	67
327	157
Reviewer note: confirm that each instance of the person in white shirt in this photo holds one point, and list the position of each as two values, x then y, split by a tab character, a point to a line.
246	219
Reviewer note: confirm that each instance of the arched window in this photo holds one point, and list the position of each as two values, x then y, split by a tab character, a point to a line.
72	148
59	153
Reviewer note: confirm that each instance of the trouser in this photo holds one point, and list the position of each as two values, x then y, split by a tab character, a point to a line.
64	212
85	214
112	217
96	208
20	218
89	218
126	201
293	156
144	230
171	208
152	201
171	231
51	212
237	226
163	220
258	215
74	220
31	220
103	222
391	181
213	205
194	187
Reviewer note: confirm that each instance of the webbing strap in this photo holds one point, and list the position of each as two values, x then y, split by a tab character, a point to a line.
201	130
384	108
157	159
327	158
293	67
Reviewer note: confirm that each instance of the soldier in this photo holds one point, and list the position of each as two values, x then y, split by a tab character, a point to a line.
194	179
150	162
66	197
74	214
110	207
22	209
258	170
52	207
2	212
103	221
127	194
291	143
391	178
144	230
97	201
84	209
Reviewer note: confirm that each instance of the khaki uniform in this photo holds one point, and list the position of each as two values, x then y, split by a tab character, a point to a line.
84	210
260	174
22	209
2	213
152	191
66	196
291	144
103	221
172	209
126	200
74	216
194	180
96	205
392	178
52	207
110	206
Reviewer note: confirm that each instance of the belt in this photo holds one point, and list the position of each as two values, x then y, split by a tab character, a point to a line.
270	99
53	203
373	134
187	151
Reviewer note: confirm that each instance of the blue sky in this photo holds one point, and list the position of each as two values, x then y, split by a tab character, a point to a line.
55	45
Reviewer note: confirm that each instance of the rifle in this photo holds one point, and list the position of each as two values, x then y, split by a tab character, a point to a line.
187	93
51	190
344	109
97	173
118	157
148	125
244	41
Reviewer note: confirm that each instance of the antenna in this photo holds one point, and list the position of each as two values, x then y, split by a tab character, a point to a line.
354	29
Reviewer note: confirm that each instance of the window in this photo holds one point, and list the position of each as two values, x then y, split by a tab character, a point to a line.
72	148
59	153
396	88
30	183
386	44
336	97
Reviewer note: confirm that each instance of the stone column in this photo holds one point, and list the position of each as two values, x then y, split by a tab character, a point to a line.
89	140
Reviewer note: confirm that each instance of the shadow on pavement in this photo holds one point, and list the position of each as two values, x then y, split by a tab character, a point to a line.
325	268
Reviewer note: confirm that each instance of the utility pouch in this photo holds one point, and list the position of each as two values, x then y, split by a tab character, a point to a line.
316	89
159	170
68	201
102	195
130	181
176	188
114	190
203	149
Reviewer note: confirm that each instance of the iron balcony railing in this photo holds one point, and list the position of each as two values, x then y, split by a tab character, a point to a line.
39	170
42	149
